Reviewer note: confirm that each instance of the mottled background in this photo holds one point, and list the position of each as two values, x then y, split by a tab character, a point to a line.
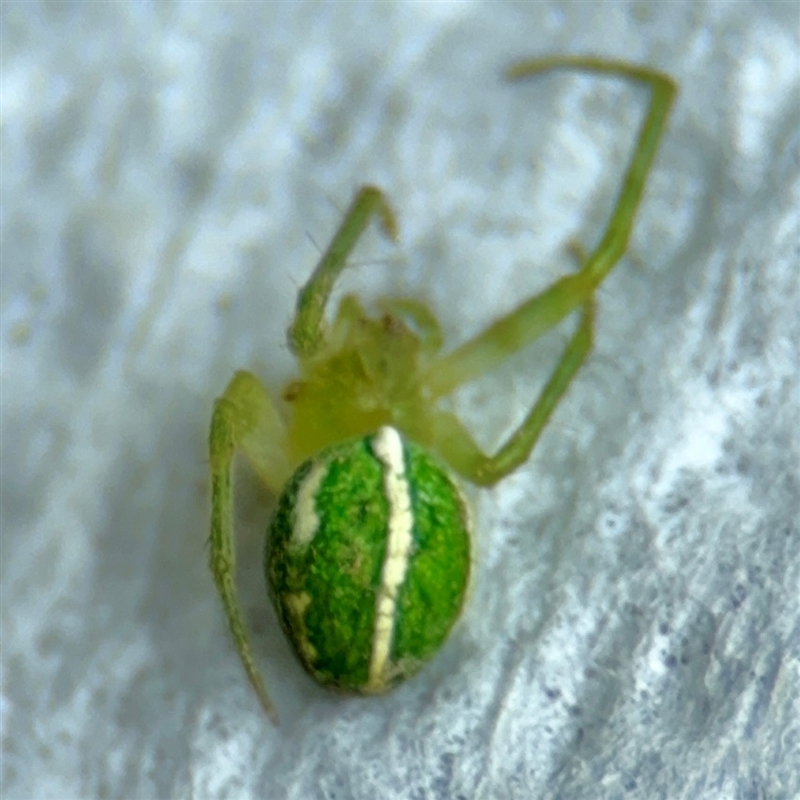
167	168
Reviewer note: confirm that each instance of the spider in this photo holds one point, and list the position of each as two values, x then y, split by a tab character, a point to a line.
368	554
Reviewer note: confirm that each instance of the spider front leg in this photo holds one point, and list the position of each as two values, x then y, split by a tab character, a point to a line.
306	333
244	419
547	309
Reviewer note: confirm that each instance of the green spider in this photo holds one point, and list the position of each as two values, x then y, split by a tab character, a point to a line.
368	553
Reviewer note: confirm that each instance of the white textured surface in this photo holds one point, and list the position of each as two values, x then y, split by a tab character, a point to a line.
634	625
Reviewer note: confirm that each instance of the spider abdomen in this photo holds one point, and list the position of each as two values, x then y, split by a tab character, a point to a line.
368	561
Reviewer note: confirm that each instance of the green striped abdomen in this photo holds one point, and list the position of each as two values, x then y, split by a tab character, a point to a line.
368	561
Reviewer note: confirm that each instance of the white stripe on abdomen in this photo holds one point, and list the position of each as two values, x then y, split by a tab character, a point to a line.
388	447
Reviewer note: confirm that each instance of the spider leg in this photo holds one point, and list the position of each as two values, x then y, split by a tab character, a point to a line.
244	419
306	331
545	310
458	448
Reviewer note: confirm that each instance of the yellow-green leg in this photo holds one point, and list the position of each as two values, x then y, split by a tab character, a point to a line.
545	310
455	444
306	332
244	419
662	94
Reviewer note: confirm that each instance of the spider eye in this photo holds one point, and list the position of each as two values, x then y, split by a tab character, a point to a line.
293	390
